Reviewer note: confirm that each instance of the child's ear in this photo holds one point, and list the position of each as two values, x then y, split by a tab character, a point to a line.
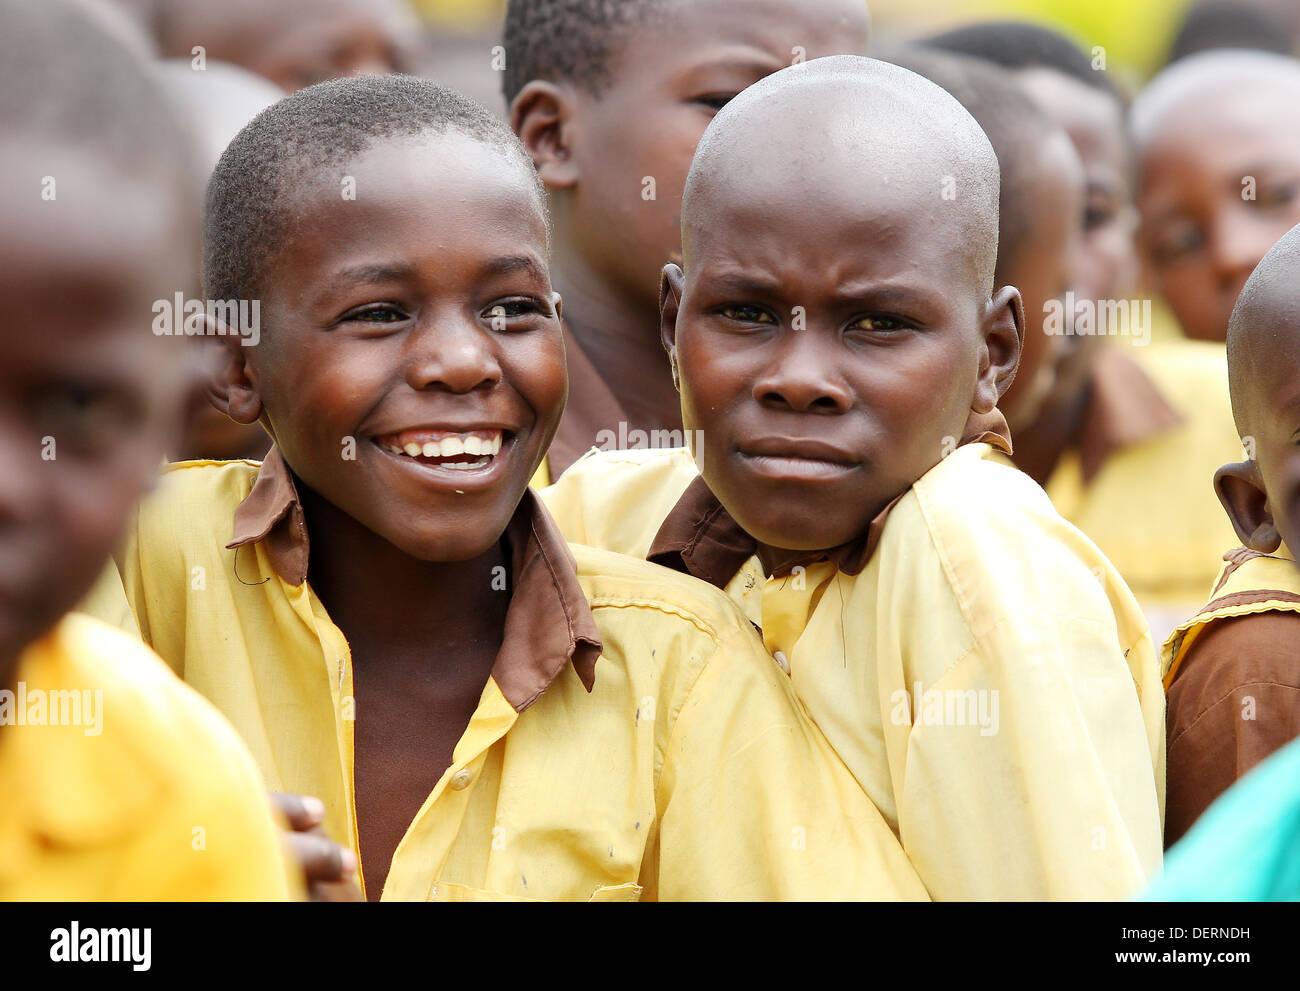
541	114
230	382
1003	331
1241	491
670	300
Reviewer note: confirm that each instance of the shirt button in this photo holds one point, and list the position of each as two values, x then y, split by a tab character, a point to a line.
461	779
782	660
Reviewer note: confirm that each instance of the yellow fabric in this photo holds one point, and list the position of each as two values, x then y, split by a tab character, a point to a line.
690	772
1151	508
542	476
978	586
156	799
1275	573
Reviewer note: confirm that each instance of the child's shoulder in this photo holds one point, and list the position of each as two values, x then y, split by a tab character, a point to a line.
618	499
973	487
661	461
624	584
147	709
197	480
999	544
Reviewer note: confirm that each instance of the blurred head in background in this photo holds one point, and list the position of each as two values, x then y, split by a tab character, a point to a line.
1218	142
99	196
292	43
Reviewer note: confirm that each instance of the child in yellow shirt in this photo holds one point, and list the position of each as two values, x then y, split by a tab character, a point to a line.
117	782
385	610
840	348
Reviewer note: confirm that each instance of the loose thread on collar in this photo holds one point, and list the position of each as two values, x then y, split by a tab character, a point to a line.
240	580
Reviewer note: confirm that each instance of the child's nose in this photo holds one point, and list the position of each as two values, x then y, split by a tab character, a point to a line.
451	352
804	378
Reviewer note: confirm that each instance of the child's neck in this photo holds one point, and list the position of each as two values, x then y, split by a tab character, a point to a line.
620	337
381	596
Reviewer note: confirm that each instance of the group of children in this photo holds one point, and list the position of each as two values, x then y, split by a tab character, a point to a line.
842	639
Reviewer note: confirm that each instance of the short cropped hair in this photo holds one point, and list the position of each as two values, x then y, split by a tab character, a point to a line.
316	128
567	40
69	79
1015	45
1014	124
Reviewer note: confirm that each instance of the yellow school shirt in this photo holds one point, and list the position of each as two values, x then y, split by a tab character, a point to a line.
680	766
987	677
136	790
1163	426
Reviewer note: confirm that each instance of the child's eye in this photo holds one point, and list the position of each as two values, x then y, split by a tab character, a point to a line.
506	310
716	100
375	313
878	324
746	313
1177	243
85	417
1276	195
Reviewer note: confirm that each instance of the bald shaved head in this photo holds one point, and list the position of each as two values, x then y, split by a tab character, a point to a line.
1178	90
846	133
1264	332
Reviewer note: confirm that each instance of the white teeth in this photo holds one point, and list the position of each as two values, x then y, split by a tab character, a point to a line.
467	465
482	448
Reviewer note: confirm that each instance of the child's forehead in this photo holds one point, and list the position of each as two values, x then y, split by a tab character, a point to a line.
430	167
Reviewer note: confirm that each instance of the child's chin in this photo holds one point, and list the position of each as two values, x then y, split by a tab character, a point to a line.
448	548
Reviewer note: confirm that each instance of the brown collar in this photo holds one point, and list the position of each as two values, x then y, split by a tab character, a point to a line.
549	623
699	537
1124	408
591	408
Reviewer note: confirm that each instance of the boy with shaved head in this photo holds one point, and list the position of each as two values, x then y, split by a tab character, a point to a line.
837	337
1218	138
1233	674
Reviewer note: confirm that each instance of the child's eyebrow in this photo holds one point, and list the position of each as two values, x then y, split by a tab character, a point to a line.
364	274
508	264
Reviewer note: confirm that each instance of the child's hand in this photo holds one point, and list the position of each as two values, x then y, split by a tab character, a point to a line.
327	865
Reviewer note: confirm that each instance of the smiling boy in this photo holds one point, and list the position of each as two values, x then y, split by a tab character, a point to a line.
395	624
610	97
837	339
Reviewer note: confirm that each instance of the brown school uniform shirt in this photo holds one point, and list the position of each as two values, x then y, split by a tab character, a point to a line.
1210	744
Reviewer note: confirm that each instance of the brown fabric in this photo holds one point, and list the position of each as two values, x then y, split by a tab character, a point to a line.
549	623
699	537
591	408
1124	408
1211	743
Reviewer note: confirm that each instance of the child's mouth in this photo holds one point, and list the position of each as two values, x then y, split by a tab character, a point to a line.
458	451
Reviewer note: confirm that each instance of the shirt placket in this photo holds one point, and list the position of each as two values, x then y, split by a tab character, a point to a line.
431	835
